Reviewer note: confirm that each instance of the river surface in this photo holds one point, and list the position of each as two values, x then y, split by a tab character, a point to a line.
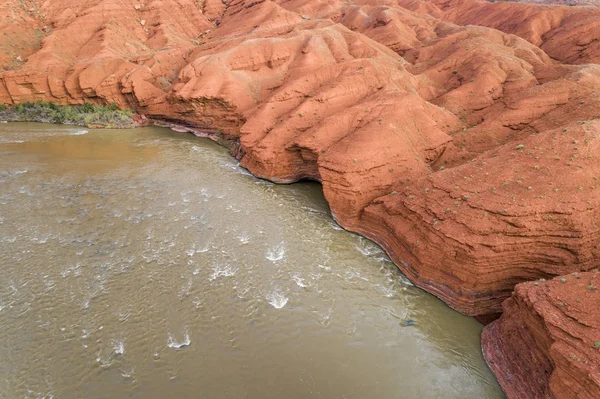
146	263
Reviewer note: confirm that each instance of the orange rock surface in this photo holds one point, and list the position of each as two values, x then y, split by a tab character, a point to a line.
461	135
469	152
547	342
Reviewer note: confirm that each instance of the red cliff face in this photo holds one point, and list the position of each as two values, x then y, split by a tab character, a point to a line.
547	342
461	135
467	152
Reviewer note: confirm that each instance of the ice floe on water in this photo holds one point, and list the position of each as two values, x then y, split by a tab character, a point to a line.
277	299
276	253
175	344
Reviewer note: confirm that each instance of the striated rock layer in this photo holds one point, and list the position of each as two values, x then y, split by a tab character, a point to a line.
469	152
547	342
461	135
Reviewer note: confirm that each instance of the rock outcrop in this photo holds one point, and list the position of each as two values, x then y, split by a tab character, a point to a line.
547	342
469	153
461	135
372	105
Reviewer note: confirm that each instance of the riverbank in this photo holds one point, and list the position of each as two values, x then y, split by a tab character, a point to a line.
88	115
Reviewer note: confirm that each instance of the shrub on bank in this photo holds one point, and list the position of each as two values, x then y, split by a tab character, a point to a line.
109	116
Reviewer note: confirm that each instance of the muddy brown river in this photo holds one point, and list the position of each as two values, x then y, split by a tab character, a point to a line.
146	263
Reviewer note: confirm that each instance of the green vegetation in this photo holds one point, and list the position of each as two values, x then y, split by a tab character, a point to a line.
109	116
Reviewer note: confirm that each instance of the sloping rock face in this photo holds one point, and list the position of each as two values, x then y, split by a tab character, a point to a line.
547	342
469	152
567	34
461	135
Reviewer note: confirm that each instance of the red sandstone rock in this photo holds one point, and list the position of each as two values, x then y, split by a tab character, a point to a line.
470	153
373	100
547	342
568	34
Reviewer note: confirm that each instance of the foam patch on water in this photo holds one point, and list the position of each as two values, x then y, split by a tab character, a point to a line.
299	280
406	281
128	373
119	347
78	132
277	299
202	249
386	291
277	253
11	174
71	270
222	271
335	226
244	238
175	344
9	141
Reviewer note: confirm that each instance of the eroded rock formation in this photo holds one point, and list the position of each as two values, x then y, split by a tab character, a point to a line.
461	135
547	342
467	152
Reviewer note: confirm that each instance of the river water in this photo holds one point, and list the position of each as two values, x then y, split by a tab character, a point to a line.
146	263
